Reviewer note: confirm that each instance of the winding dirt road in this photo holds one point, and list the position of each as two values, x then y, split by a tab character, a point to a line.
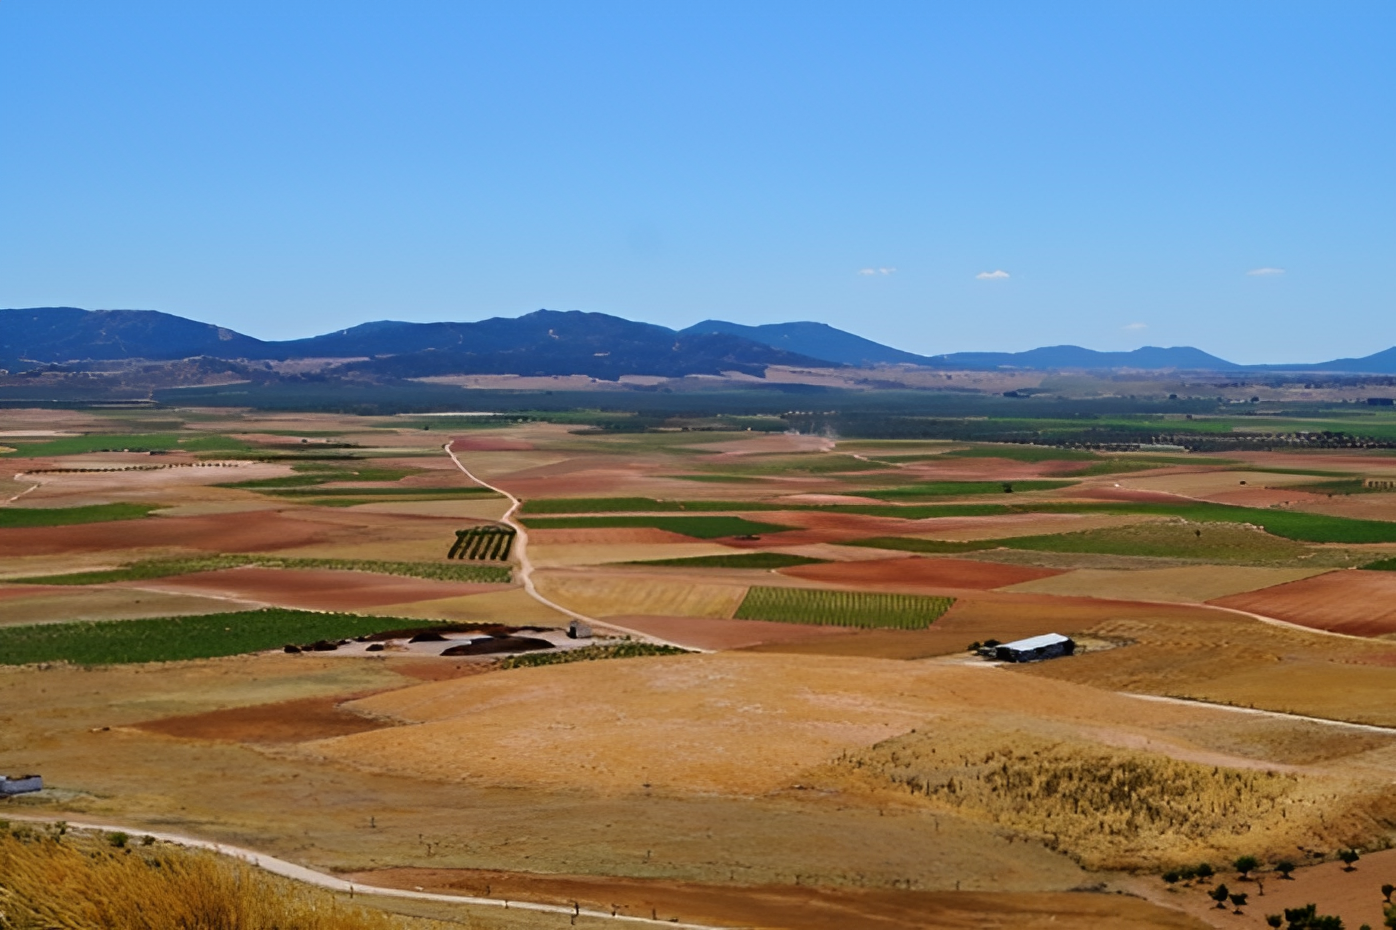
526	565
320	880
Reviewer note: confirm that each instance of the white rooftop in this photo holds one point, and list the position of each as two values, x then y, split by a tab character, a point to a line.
1036	642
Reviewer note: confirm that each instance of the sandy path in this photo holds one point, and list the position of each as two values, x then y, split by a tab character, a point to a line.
311	877
526	564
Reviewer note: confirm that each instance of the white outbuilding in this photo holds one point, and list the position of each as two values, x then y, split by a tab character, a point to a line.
1036	648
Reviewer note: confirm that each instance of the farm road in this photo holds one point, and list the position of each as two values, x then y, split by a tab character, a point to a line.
526	564
320	880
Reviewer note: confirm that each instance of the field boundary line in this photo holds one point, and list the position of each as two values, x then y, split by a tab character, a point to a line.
310	876
526	564
1283	715
32	487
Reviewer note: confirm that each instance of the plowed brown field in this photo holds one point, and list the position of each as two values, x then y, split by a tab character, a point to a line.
283	722
259	531
1354	602
313	590
887	574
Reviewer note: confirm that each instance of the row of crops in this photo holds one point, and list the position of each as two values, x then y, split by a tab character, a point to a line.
489	543
842	608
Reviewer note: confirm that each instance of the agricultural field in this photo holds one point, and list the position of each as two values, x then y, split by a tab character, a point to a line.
770	706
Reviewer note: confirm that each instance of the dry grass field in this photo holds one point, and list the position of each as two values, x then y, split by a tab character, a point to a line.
1192	584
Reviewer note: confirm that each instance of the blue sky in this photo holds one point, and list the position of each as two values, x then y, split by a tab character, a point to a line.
291	168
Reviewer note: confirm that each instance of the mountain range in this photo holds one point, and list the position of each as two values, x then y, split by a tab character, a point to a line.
548	342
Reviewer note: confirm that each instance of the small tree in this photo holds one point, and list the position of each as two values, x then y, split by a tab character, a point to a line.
1245	865
1238	901
1349	856
1171	877
1219	895
1204	871
1386	891
118	839
1274	920
1187	873
1284	867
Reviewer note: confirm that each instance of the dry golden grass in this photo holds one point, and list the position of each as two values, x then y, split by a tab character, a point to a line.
66	604
77	882
601	595
1112	807
1190	584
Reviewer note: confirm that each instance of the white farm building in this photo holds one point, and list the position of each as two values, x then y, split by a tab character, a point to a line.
1036	648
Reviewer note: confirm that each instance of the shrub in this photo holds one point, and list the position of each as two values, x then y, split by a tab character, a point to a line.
1246	865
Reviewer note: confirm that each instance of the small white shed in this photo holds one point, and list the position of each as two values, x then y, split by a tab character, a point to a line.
1036	648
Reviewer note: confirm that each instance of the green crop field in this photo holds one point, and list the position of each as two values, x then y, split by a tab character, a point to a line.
1291	524
1023	453
70	516
813	463
697	527
132	442
911	544
166	568
842	608
953	488
172	639
759	560
1213	542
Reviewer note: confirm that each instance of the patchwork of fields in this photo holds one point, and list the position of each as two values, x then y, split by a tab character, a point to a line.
779	690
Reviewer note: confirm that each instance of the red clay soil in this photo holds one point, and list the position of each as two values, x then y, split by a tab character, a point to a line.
1354	602
920	573
707	633
489	444
623	535
255	531
793	906
312	589
283	722
28	590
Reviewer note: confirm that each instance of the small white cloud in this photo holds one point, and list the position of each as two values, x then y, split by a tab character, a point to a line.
998	275
875	271
1262	272
1137	326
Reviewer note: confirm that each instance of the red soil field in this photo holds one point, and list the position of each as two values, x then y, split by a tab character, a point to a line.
489	444
1354	602
620	536
794	906
313	590
921	572
254	531
282	722
706	633
27	590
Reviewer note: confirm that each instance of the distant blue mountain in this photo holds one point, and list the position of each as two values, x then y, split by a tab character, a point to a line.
819	340
549	342
1052	357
